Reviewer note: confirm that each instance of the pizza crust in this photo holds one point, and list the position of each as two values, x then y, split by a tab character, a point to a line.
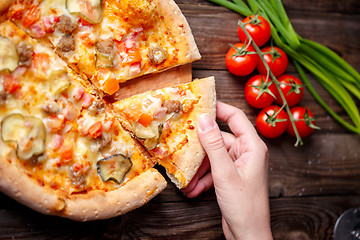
81	207
4	4
178	24
102	205
188	159
16	184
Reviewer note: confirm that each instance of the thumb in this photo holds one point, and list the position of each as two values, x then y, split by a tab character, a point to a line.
222	166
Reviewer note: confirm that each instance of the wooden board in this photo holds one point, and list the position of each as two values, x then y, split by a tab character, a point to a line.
172	77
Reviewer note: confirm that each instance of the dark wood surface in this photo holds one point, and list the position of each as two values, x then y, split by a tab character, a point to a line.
309	186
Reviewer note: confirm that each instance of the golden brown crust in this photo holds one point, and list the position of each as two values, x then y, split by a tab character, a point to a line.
4	4
102	205
81	207
25	190
188	159
178	24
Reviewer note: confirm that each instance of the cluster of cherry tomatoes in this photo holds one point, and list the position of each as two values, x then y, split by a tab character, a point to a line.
260	91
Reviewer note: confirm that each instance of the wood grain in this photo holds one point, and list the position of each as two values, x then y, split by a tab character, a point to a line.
292	218
214	34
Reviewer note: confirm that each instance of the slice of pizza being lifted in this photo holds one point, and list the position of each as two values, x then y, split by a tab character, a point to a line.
110	41
62	150
164	121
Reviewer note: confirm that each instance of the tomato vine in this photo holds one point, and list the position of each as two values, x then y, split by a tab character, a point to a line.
275	81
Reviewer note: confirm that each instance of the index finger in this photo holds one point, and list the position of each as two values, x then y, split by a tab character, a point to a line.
239	124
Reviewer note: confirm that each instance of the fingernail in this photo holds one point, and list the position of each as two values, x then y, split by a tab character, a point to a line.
205	122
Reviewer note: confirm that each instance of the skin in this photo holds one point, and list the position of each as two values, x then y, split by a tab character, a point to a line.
239	174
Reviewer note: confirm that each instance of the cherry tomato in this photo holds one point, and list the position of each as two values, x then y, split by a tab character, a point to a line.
291	88
304	122
272	121
259	30
240	63
275	58
259	92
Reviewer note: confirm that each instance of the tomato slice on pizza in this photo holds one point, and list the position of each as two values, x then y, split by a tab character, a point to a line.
110	41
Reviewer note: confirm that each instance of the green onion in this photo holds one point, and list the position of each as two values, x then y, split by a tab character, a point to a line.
324	61
333	56
233	6
321	101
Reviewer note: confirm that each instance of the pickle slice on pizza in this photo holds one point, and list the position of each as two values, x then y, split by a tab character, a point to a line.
164	122
110	41
62	151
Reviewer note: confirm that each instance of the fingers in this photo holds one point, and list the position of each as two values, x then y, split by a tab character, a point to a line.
212	141
204	167
236	119
204	184
228	139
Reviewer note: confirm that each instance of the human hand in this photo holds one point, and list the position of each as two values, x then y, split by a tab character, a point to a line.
239	170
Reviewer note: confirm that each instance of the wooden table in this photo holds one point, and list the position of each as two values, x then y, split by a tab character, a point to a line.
309	186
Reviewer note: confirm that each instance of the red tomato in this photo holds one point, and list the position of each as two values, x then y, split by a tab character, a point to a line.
272	121
259	30
259	92
30	17
291	88
275	58
240	63
304	122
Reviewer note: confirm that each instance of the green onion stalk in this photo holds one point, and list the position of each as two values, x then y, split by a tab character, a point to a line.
337	77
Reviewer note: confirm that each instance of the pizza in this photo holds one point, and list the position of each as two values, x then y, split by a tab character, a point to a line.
164	120
110	41
67	147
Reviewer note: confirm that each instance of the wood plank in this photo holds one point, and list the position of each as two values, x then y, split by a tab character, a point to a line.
344	6
214	27
325	165
291	218
308	218
172	77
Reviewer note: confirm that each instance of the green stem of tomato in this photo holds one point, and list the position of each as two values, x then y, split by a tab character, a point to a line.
277	84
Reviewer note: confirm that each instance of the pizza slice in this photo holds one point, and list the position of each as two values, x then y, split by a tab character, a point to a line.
62	150
110	41
164	122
